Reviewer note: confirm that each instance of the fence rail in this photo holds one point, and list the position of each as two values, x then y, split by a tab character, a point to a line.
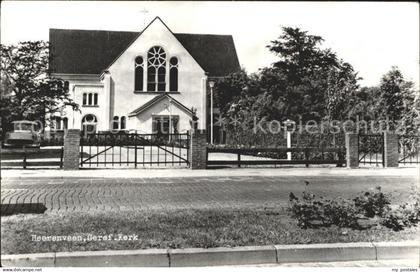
300	155
29	157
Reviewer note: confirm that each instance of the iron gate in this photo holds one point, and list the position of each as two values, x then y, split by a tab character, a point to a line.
409	147
105	149
371	149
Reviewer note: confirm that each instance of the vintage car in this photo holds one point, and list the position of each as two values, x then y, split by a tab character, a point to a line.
24	133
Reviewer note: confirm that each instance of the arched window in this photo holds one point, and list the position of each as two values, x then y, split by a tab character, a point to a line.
90	99
122	122
65	123
156	69
89	122
115	122
173	74
57	121
95	99
138	74
84	99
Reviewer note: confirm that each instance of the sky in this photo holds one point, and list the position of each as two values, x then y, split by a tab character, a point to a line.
372	37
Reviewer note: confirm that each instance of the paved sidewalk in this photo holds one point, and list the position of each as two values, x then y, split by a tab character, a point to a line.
412	263
166	193
227	172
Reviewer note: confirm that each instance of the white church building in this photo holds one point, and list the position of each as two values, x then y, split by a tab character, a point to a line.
139	80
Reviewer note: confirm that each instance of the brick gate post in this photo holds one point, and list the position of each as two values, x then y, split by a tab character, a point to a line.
391	155
71	152
352	150
198	149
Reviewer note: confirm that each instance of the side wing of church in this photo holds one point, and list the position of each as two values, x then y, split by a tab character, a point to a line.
139	81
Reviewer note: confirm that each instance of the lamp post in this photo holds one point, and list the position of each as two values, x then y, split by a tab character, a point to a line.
211	84
290	126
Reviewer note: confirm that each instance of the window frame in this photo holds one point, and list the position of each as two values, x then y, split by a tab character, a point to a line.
123	123
90	99
174	67
116	122
93	123
136	67
156	64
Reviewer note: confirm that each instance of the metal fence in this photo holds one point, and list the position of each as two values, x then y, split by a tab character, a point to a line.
278	156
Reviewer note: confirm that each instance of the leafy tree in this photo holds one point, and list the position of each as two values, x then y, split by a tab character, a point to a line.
362	104
316	81
229	88
341	84
28	91
300	55
396	96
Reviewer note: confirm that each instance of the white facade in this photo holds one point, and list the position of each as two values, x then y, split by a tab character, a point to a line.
113	95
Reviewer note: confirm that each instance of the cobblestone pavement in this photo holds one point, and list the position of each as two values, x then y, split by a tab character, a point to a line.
103	194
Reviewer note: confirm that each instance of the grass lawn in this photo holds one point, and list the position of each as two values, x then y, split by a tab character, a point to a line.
177	229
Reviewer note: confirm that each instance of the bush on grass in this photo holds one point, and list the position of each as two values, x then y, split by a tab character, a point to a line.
312	212
405	215
372	203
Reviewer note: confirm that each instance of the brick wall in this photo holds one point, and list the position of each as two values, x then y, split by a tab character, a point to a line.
391	150
71	154
198	149
352	150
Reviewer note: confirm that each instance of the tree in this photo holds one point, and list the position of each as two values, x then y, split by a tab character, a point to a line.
228	88
315	82
28	91
396	101
362	104
394	92
300	55
341	84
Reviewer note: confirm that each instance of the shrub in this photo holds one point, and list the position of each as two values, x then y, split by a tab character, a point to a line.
306	211
405	215
311	212
395	219
372	203
341	213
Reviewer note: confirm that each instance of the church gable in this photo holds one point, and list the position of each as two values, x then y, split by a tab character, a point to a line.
156	45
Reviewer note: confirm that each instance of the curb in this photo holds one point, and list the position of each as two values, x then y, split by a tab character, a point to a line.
220	256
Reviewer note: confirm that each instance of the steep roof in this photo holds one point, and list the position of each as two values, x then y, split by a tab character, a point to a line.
91	51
